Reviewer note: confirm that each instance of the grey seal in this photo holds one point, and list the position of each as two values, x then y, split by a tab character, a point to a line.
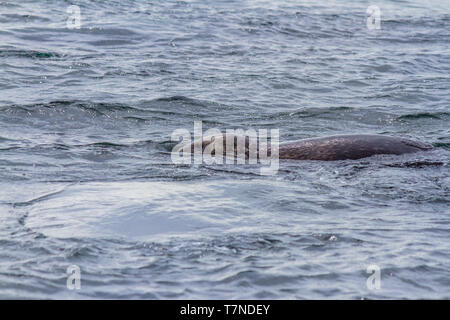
339	147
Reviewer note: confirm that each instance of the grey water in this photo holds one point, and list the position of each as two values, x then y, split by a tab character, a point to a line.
86	177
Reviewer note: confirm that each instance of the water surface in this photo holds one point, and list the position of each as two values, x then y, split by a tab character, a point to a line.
86	178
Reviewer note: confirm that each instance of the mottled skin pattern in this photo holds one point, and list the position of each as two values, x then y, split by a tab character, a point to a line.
348	147
339	147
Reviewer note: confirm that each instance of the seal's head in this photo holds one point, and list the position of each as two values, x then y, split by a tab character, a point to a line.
226	144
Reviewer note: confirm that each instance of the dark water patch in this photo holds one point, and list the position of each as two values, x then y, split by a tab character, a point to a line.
445	145
9	4
138	119
28	54
106	145
355	83
38	199
63	106
182	100
416	164
110	43
424	115
310	112
4	139
12	17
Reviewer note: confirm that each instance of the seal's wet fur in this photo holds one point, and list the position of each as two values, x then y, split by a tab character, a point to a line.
348	147
340	147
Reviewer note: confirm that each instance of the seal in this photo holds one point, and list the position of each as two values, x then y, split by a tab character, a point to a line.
331	148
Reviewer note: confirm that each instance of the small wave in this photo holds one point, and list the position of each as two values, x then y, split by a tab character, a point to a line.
104	145
4	139
307	113
77	104
415	164
110	31
9	4
12	17
355	83
182	99
29	54
424	115
110	42
445	145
